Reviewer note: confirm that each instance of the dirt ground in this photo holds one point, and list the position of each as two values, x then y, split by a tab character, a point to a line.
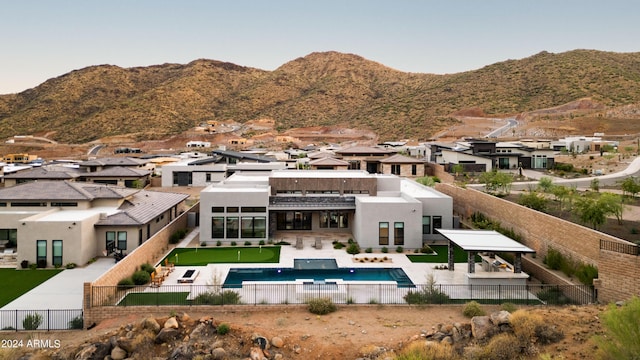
353	331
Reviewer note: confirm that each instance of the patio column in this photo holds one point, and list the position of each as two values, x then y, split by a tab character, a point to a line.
471	261
517	263
450	256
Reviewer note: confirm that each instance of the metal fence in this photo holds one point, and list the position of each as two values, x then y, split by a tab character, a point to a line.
629	249
262	293
51	319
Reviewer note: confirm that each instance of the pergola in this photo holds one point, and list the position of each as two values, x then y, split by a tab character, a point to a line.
475	241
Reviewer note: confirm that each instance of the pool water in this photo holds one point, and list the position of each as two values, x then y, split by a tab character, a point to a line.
237	275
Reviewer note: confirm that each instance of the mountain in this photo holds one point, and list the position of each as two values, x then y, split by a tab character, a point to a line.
327	88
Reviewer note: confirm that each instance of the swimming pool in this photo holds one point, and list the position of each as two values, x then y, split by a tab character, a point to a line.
237	275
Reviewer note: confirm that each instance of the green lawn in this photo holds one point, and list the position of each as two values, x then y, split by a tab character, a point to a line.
441	257
157	298
15	283
204	256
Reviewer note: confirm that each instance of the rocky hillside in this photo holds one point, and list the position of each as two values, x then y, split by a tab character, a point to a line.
324	89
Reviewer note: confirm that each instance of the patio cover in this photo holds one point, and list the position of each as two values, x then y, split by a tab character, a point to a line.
473	241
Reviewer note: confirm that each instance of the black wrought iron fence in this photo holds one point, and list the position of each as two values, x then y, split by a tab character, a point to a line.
260	293
47	320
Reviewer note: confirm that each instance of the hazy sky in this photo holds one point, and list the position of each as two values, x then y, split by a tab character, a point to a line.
42	39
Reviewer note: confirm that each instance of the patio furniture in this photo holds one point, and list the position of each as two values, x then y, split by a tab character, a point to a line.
299	244
318	244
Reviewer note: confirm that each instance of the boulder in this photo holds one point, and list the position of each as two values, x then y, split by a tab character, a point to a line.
118	353
481	327
277	341
151	324
166	335
171	323
500	317
94	351
261	341
218	353
182	352
256	353
125	344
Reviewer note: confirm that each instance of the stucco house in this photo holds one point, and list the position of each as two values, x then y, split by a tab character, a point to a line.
377	210
61	222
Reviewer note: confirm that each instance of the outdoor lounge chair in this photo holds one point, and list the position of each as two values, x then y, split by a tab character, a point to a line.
318	244
299	244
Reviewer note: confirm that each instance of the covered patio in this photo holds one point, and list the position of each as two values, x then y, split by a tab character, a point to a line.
485	244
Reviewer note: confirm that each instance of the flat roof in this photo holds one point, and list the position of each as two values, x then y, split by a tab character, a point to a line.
483	240
416	190
77	215
325	174
385	199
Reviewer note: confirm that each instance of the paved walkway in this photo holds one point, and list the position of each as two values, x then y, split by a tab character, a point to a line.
63	291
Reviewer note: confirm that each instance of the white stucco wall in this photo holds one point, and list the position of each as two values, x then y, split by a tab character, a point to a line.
370	211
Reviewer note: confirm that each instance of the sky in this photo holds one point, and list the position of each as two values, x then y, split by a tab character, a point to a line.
43	39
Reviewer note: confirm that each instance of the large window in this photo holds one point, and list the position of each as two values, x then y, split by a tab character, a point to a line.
539	161
122	240
10	235
56	249
294	220
426	225
503	163
217	227
414	169
383	233
398	233
253	209
182	178
41	253
110	243
395	169
233	227
334	219
253	227
437	222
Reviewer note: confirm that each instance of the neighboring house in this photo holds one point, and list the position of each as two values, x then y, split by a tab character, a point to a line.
364	157
120	176
403	166
40	174
377	210
61	222
233	157
198	144
105	163
582	144
206	171
19	158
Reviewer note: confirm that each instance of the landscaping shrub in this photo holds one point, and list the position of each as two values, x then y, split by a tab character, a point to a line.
203	244
426	249
218	243
473	308
510	307
384	249
148	268
586	273
353	249
76	323
126	283
223	329
420	350
141	277
368	250
174	238
503	346
399	249
226	297
321	306
261	242
70	265
427	295
32	321
233	243
247	243
554	259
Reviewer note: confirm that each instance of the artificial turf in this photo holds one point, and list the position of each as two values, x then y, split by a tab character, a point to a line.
232	255
14	283
441	255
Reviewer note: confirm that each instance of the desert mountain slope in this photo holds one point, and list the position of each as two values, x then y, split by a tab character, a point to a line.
327	88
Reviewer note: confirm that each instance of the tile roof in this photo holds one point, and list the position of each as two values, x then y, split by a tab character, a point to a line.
46	190
114	161
143	207
329	161
118	171
401	159
41	173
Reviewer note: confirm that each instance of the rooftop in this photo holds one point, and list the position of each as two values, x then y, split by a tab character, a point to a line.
484	240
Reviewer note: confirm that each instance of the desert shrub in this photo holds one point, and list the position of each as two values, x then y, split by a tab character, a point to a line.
510	307
553	296
621	331
350	241
338	245
223	329
368	250
148	268
503	346
399	249
76	323
554	259
226	297
531	329
321	306
141	277
261	242
32	321
233	243
203	244
71	265
426	249
247	243
419	350
428	294
353	249
473	308
126	283
586	273
384	249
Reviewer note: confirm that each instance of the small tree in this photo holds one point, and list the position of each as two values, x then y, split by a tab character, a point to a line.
630	186
545	184
589	212
595	185
533	201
